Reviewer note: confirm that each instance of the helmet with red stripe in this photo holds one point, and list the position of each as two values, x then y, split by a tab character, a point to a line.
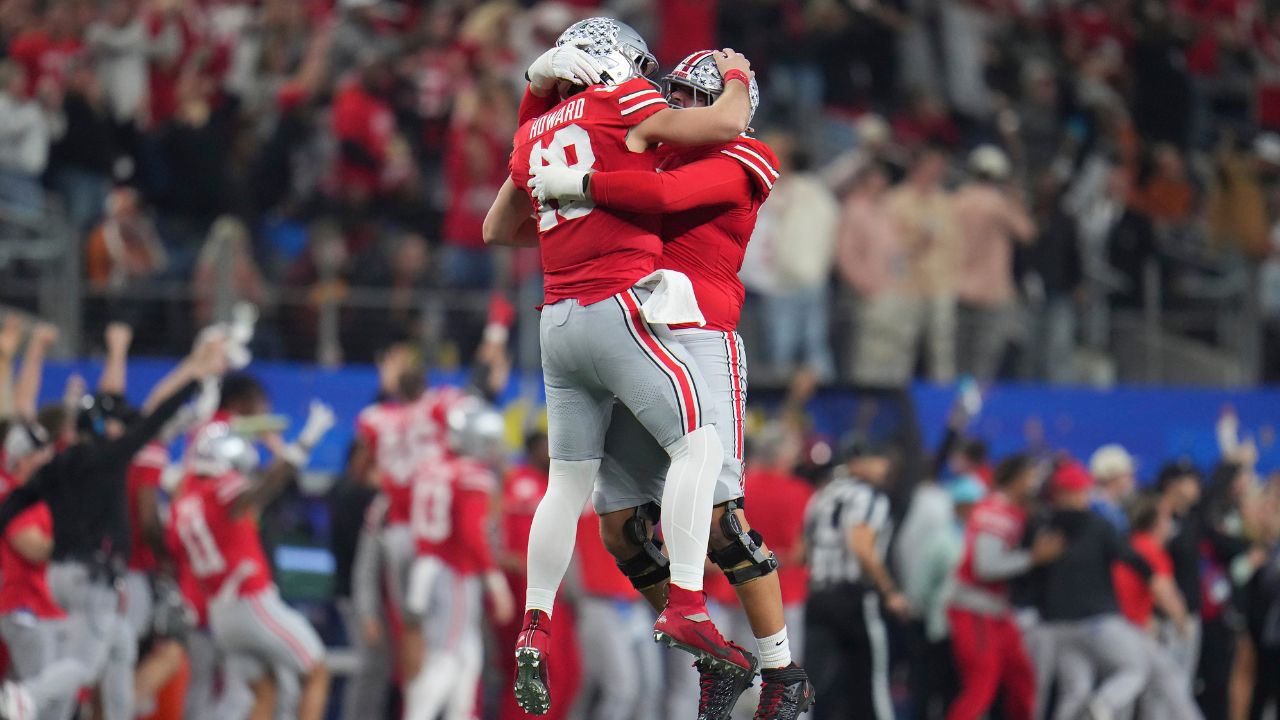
619	49
699	74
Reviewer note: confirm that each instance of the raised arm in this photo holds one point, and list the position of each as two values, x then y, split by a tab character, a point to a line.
10	339
510	218
28	388
118	338
289	460
723	121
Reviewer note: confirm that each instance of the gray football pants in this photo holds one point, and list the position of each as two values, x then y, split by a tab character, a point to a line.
44	662
1106	650
619	659
99	629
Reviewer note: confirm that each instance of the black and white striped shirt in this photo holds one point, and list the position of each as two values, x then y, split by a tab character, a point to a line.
843	504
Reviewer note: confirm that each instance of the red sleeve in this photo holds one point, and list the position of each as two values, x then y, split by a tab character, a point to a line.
365	431
716	180
37	516
473	516
757	159
531	106
637	100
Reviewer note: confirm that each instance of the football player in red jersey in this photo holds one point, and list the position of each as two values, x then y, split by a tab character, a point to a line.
455	570
714	193
603	342
394	436
214	516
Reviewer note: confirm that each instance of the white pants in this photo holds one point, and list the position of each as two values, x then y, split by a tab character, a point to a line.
449	678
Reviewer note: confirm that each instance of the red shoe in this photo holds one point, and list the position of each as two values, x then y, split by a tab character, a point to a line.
533	691
685	625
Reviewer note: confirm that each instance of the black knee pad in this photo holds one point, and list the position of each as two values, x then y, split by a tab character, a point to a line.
649	567
744	558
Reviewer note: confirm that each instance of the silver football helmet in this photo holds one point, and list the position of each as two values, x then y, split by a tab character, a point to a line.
216	451
476	430
620	50
699	74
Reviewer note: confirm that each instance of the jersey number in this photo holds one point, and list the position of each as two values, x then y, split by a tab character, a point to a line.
570	145
197	540
429	517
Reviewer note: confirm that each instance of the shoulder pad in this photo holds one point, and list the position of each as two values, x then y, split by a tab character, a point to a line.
761	164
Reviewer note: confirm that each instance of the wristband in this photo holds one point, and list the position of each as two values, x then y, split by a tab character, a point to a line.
737	75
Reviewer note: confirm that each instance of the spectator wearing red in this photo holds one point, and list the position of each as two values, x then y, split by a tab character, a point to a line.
46	49
522	490
364	126
1168	693
475	167
989	651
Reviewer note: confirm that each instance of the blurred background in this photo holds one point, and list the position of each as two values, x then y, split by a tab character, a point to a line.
1060	216
332	163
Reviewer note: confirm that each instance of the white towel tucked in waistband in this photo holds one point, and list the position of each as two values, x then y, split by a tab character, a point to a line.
672	301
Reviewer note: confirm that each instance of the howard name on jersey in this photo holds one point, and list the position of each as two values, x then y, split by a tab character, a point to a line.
591	253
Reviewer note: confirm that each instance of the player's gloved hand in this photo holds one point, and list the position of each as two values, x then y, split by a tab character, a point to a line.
320	419
567	62
554	180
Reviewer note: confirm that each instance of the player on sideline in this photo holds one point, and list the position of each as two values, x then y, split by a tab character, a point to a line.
599	341
394	436
455	571
214	516
710	197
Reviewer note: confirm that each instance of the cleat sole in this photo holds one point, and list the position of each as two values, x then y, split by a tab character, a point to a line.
716	663
532	694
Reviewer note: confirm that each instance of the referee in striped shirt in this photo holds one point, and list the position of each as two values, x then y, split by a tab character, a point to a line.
847	531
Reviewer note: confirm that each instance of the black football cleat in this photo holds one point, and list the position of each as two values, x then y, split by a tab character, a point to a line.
785	693
719	689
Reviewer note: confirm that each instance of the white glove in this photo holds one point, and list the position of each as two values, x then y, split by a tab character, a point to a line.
319	419
556	181
567	62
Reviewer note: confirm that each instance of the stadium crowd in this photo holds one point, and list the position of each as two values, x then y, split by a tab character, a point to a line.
1035	583
951	165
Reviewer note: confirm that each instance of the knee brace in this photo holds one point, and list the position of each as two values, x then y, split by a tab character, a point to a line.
649	567
744	558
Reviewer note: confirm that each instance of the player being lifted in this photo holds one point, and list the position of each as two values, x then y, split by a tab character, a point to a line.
709	197
600	342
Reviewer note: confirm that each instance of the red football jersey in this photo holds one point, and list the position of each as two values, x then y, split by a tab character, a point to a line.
708	244
401	436
217	543
188	583
145	471
600	574
775	507
994	515
451	513
591	253
521	494
24	585
1132	592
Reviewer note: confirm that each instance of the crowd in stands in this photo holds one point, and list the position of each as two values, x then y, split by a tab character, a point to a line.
963	177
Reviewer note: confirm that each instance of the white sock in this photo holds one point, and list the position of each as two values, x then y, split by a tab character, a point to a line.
775	650
686	503
554	529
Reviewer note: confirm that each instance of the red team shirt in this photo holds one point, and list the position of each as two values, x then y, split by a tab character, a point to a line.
24	585
1132	592
711	196
216	542
997	516
599	571
400	436
591	253
451	512
144	472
